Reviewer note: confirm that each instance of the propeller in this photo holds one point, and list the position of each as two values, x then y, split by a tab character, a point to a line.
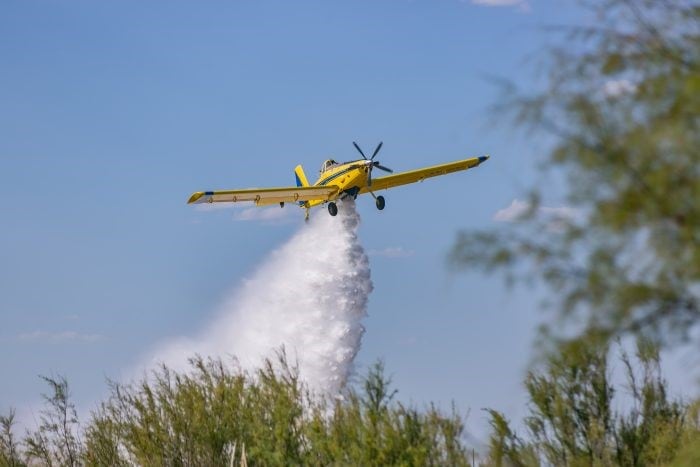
360	150
379	146
373	163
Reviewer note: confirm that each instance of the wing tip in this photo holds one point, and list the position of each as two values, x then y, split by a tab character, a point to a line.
195	197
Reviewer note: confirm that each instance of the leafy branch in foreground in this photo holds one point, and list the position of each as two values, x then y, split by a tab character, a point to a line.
571	419
9	447
56	441
622	108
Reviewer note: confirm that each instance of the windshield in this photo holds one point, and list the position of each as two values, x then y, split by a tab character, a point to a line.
328	164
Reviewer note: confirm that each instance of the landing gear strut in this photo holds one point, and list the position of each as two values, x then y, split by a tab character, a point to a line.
380	202
332	208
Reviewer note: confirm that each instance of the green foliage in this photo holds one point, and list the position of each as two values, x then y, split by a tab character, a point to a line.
56	441
622	113
570	406
367	429
651	433
571	420
9	448
203	416
505	447
689	452
194	418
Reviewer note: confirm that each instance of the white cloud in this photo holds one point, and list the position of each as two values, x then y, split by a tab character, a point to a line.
216	206
266	214
249	212
522	5
391	252
513	212
496	2
62	336
556	215
561	212
616	88
408	341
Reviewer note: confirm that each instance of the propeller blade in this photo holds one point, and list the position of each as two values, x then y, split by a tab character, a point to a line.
381	167
376	150
358	148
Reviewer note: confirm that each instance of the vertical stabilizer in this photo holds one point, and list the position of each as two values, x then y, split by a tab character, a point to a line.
300	176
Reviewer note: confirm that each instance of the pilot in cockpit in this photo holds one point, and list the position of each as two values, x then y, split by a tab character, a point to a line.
328	164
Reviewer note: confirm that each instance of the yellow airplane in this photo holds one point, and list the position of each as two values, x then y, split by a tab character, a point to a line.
336	181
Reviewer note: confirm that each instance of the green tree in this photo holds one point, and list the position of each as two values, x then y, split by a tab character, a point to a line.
571	420
622	113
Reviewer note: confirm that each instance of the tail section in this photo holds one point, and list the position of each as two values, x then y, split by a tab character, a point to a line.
300	176
302	181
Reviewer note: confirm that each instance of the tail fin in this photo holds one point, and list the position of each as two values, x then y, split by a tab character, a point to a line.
300	176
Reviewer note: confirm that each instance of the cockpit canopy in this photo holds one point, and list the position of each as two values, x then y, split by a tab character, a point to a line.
328	164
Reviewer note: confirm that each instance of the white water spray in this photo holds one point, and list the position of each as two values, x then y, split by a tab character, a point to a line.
309	296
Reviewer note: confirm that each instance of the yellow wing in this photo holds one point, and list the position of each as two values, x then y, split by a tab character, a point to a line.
418	175
263	196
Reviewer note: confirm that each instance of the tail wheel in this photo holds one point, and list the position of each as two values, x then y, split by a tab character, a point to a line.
332	209
380	202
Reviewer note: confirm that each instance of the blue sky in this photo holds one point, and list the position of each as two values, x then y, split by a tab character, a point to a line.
112	113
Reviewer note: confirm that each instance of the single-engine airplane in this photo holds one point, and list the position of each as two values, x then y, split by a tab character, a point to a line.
336	181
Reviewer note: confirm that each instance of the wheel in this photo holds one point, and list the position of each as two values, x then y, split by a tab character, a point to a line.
380	202
332	209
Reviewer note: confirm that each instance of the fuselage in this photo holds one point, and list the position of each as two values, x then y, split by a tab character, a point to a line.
349	177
